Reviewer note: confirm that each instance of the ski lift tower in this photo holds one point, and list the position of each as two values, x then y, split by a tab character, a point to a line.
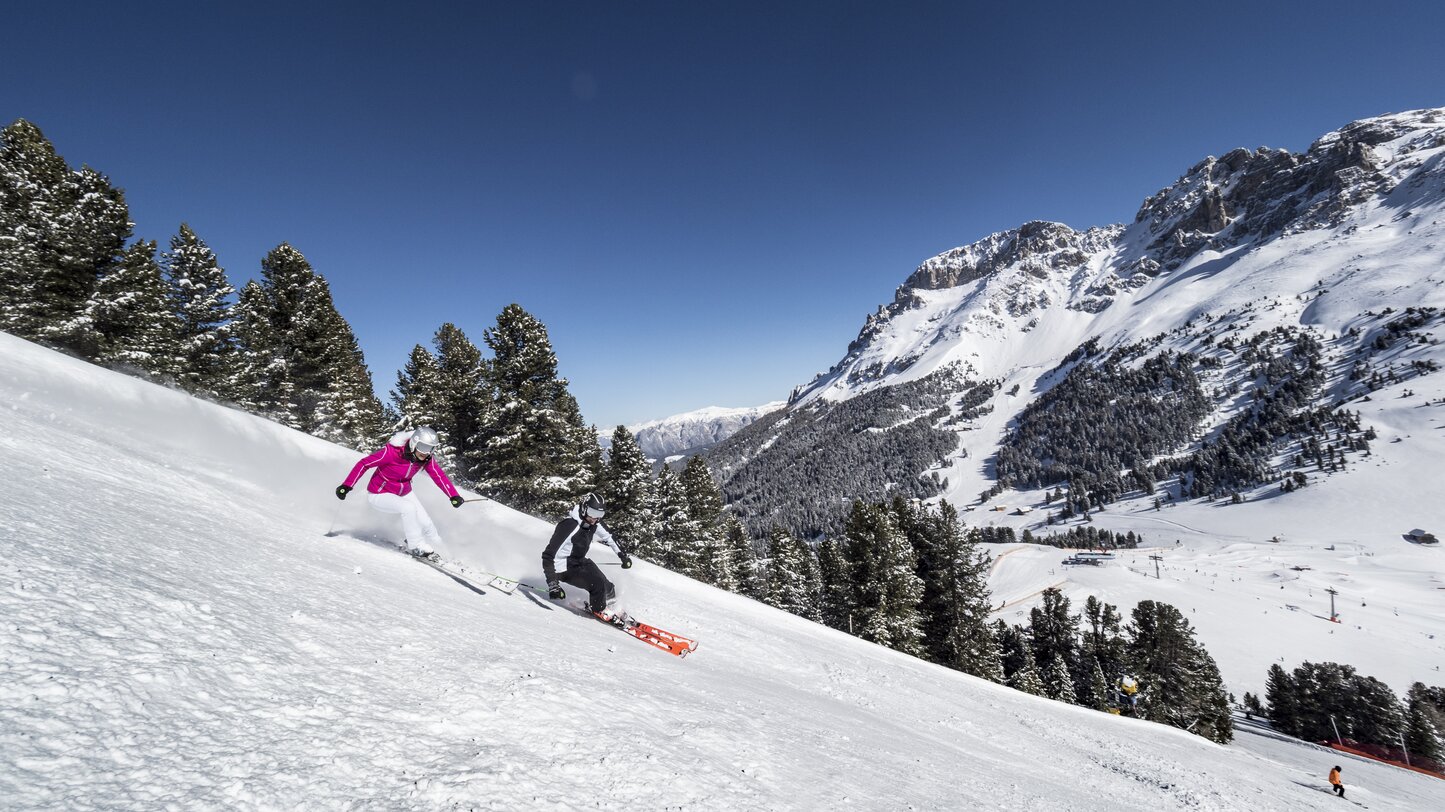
1156	559
1334	618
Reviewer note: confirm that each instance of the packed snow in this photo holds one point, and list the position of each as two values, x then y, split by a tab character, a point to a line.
180	632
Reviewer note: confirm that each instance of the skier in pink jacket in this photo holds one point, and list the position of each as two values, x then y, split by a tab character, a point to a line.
396	463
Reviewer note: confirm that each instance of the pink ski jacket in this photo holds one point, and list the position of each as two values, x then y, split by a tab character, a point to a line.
394	471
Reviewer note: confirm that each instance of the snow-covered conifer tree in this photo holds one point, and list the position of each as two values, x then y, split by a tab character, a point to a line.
632	509
131	315
459	398
705	507
60	232
259	380
1058	682
886	589
1053	631
416	396
531	451
1103	640
1027	678
677	538
201	300
742	560
323	362
704	500
836	574
1422	732
1096	695
793	584
1179	682
955	604
349	412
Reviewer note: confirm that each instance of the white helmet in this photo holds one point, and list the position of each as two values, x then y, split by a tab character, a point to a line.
423	440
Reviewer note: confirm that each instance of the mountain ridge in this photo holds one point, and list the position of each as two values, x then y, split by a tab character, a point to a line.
1314	240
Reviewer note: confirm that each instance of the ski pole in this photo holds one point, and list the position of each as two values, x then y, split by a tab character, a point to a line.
335	514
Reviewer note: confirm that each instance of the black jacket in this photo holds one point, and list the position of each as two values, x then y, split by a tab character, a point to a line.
580	535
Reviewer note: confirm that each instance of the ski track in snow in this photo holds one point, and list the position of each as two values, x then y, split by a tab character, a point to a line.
179	633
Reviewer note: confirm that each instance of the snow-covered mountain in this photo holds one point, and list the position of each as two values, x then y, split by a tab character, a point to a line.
694	432
1335	243
180	632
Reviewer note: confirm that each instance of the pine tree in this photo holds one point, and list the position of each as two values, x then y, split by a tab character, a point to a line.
448	392
1096	695
705	507
200	298
60	232
793	584
1180	683
1013	649
956	603
1103	641
1058	683
295	305
30	175
704	500
534	452
886	592
259	382
130	313
465	401
417	395
1279	695
742	560
1054	632
714	564
632	509
1422	731
349	412
836	573
677	540
1377	714
1027	678
303	356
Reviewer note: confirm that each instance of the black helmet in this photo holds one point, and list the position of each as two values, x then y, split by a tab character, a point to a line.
592	506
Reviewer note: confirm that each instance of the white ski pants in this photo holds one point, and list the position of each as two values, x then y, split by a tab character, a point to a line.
421	533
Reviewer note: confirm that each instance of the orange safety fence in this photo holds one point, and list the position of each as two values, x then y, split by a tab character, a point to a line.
1384	756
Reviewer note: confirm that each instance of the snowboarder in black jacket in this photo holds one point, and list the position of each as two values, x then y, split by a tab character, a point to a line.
572	539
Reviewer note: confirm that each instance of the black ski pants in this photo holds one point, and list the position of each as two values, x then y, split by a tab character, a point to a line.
586	575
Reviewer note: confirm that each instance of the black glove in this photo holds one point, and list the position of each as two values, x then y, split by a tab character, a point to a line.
626	560
457	501
555	591
342	491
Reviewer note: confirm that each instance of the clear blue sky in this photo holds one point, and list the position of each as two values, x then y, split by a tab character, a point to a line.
701	200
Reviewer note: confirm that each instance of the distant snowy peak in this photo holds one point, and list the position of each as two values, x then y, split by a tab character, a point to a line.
1253	195
696	431
967	307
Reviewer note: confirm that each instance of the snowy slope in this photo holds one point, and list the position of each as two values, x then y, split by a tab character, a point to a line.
179	633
